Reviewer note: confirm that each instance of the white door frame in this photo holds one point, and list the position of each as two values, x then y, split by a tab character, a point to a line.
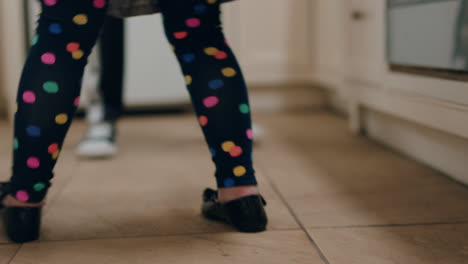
12	50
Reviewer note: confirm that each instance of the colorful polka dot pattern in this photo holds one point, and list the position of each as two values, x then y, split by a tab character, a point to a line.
218	89
50	2
50	87
33	162
35	40
41	118
210	69
48	58
29	97
80	19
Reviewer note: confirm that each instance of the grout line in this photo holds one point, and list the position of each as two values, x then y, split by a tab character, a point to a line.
302	228
149	236
63	187
401	154
391	225
296	218
16	253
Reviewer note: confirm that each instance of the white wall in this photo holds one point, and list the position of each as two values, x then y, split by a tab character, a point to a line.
11	49
275	39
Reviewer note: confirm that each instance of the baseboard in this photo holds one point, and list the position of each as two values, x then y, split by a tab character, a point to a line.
440	150
287	97
337	103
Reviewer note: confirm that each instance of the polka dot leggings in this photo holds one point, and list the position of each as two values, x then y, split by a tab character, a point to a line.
51	80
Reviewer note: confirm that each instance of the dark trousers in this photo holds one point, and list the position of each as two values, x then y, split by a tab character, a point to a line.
112	59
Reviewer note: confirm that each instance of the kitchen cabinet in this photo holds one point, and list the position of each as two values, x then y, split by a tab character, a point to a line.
392	107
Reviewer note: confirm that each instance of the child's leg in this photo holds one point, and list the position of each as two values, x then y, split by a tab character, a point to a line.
216	86
49	90
112	67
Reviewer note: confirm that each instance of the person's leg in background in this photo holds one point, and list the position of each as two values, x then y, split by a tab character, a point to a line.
48	96
219	95
106	108
112	61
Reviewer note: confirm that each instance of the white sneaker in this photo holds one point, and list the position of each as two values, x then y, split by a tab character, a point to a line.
258	132
99	141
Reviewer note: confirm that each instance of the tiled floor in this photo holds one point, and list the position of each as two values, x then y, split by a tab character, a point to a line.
333	198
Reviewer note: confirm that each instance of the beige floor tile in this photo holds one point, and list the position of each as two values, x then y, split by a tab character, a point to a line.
432	244
7	252
3	238
153	187
426	205
130	213
139	192
332	178
322	156
269	247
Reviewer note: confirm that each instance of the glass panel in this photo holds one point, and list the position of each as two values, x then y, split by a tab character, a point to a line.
428	33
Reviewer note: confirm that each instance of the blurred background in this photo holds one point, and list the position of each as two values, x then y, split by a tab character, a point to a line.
378	63
350	98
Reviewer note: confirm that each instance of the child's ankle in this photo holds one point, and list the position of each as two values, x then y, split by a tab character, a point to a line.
10	201
232	193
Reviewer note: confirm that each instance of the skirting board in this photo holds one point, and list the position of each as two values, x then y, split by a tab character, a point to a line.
440	150
287	97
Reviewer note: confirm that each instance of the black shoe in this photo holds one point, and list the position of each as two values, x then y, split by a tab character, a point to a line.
245	214
3	192
22	224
